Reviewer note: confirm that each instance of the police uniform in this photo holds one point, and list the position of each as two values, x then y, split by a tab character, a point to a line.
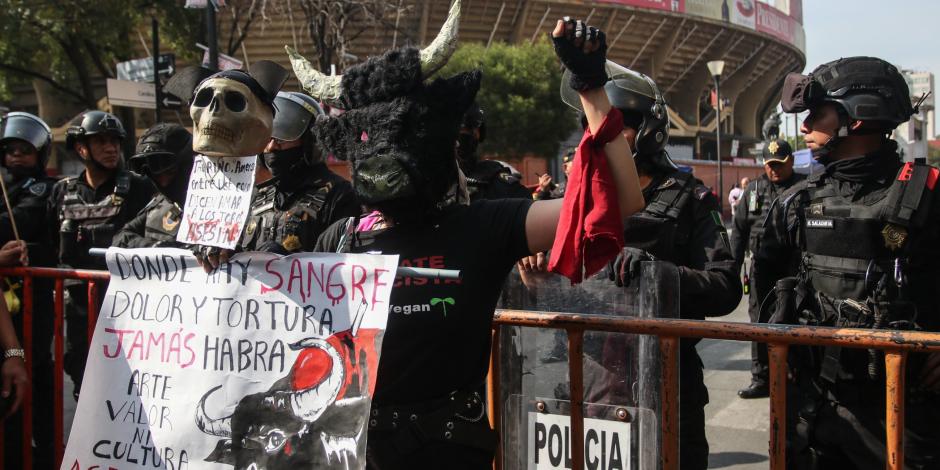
155	226
865	235
28	200
749	220
681	223
489	179
82	217
286	219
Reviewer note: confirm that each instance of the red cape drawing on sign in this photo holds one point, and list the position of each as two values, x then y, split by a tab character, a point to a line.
315	417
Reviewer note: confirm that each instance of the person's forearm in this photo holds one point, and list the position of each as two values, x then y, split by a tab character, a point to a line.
8	339
619	155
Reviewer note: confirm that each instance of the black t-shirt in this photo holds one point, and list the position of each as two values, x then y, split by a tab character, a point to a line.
438	335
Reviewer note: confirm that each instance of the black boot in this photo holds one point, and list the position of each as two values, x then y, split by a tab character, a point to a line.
755	390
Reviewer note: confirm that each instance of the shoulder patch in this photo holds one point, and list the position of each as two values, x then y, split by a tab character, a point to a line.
701	191
665	184
38	189
508	178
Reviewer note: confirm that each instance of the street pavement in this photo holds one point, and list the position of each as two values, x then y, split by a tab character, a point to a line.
737	429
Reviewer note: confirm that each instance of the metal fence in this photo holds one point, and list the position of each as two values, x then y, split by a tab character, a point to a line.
895	344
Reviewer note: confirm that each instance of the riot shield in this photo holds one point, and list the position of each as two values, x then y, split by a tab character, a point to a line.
622	401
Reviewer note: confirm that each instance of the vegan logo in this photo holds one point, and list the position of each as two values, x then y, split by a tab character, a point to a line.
444	302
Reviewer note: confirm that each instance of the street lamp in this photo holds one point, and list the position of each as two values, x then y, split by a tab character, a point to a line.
715	67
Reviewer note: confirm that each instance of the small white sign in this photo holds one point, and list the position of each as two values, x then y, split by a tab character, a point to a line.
217	201
606	443
735	145
226	62
131	94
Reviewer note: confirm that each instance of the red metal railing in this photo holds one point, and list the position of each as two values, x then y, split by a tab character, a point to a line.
59	275
895	344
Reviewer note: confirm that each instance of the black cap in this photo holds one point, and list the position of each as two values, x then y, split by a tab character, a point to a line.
776	151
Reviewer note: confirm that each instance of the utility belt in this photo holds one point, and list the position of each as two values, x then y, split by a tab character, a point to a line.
459	418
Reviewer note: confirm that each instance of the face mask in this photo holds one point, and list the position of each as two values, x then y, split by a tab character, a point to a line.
280	162
467	148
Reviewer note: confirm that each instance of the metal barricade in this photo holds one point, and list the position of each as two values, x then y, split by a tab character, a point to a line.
94	278
895	344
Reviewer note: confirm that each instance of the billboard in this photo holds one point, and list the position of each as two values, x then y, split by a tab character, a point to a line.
665	5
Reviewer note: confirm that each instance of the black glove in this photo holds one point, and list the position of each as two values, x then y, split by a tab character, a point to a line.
588	69
627	265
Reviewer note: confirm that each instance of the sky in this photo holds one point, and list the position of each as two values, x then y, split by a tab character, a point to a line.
903	32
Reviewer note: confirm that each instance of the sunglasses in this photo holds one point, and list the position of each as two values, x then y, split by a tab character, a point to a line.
152	163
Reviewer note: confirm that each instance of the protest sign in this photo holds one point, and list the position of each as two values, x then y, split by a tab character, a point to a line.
268	362
217	201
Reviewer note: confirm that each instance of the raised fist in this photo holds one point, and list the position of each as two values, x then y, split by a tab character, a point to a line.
583	51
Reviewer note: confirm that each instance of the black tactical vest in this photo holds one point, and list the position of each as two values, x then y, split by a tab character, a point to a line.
660	228
760	196
870	263
85	225
290	225
163	219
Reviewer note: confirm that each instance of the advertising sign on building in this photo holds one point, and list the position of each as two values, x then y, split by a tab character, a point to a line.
667	5
775	23
744	13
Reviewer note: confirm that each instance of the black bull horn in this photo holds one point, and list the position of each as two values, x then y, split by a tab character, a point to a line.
329	88
307	405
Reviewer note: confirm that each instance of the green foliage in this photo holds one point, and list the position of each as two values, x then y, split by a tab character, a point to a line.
67	43
519	97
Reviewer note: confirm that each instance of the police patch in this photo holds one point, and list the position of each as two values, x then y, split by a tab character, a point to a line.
819	223
250	229
669	182
170	222
700	192
38	189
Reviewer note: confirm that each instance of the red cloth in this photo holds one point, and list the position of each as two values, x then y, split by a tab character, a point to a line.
590	231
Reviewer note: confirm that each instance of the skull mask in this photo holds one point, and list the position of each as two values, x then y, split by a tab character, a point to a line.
229	120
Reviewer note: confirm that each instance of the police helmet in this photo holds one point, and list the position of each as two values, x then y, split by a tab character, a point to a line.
776	151
865	88
295	114
475	119
28	128
163	147
637	95
92	123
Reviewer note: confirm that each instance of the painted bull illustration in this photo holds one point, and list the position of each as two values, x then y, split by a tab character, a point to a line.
313	418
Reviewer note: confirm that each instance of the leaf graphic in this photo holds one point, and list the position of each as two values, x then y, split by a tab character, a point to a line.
449	300
435	301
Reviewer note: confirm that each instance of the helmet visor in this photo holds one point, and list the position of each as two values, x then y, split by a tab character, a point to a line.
152	163
623	82
801	93
25	129
292	118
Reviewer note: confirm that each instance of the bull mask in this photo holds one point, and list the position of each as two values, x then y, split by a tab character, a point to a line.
398	132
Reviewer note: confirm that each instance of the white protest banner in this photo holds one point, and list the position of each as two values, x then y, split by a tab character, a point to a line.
217	201
268	362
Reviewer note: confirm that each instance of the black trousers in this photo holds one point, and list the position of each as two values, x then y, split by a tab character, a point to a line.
850	432
693	396
761	294
41	386
384	454
76	331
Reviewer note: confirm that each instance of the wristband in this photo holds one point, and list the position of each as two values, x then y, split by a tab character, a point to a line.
14	353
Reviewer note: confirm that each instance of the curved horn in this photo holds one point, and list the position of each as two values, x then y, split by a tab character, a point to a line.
439	51
328	88
221	427
309	404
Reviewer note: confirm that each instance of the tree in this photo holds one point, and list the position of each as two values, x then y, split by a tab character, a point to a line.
334	24
68	44
519	96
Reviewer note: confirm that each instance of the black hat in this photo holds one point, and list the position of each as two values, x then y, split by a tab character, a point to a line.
776	151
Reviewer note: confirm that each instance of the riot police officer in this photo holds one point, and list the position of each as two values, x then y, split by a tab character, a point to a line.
749	216
681	223
27	142
303	197
86	212
486	179
864	235
165	155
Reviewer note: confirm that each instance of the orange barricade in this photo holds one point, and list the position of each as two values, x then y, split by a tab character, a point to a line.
896	345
